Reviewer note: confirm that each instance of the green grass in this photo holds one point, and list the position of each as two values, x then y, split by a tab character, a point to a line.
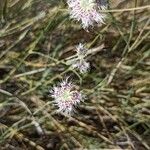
36	39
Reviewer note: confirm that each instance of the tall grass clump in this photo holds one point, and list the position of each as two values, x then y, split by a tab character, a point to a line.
74	74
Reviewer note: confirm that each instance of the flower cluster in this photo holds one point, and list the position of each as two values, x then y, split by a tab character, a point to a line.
80	62
86	11
66	97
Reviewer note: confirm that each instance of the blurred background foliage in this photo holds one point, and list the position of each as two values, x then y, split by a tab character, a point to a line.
36	37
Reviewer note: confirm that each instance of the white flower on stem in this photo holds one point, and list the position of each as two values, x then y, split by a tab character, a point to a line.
86	11
80	62
82	65
66	97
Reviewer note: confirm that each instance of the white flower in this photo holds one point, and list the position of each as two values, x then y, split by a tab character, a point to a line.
82	65
66	97
80	62
81	50
86	11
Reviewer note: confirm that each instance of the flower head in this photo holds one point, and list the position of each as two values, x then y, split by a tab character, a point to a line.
86	11
66	97
80	62
81	50
82	65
